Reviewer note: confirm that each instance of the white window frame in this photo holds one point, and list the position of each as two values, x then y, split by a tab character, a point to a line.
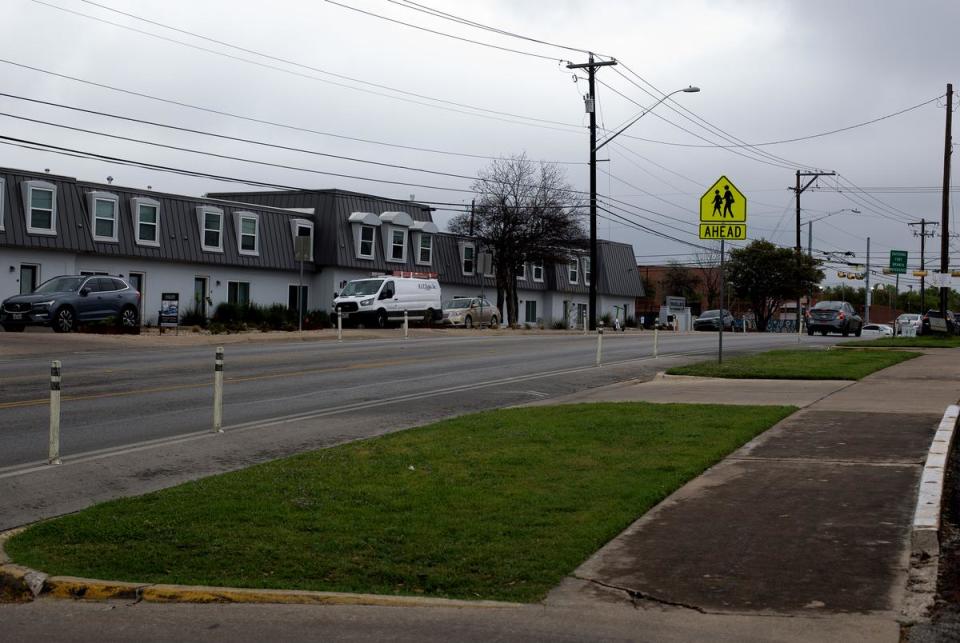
28	188
522	277
3	192
586	269
373	242
135	204
391	230
295	225
493	268
238	219
463	259
93	198
202	212
573	272
535	267
424	236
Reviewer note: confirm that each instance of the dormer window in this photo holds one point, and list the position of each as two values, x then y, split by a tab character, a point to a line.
211	228
467	258
396	226
587	273
303	228
573	272
146	221
104	207
363	225
422	233
521	273
40	201
248	233
538	272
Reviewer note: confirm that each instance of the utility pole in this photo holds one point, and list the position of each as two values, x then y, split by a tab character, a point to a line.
798	191
945	212
867	295
923	223
590	106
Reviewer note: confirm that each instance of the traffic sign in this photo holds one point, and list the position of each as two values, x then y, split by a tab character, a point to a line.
718	231
723	203
898	262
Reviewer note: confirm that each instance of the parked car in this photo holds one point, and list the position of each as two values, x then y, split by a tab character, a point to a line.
834	317
710	320
470	311
381	300
949	326
906	320
877	330
70	300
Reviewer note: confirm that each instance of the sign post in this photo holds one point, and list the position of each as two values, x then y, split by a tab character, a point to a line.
723	215
169	311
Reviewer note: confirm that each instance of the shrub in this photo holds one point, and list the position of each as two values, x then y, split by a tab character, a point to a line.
631	322
606	319
193	318
559	325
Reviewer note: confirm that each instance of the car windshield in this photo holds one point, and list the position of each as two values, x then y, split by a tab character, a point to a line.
710	313
828	305
362	287
457	303
61	284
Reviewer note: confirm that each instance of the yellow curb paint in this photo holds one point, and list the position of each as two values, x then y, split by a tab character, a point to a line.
14	585
96	590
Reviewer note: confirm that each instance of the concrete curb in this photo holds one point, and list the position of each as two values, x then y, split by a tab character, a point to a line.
19	584
924	535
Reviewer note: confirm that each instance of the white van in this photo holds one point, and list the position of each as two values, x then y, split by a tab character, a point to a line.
377	301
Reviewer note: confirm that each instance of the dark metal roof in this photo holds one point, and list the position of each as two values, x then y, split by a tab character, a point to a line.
179	231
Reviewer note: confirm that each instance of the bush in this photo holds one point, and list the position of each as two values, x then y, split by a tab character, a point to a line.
316	319
606	319
631	322
193	318
559	325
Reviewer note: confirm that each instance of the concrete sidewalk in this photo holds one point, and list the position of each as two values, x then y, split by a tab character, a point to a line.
811	518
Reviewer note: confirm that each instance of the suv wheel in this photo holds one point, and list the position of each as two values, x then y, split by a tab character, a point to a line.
64	320
128	317
494	322
468	322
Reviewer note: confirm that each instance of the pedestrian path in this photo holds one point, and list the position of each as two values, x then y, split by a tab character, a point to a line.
812	517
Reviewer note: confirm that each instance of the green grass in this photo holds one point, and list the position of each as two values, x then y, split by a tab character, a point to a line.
497	505
924	341
798	365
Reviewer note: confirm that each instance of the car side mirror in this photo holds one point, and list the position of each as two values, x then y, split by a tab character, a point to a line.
335	294
84	292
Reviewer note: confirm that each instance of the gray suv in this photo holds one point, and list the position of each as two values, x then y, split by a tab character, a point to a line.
67	301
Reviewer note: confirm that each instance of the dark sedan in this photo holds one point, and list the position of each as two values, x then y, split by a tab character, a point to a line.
834	317
933	322
710	320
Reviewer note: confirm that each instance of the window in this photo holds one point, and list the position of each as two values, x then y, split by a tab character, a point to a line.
521	272
103	214
587	273
211	228
573	273
292	302
3	189
366	242
40	199
466	258
538	271
302	228
398	245
425	252
248	233
238	293
531	311
146	221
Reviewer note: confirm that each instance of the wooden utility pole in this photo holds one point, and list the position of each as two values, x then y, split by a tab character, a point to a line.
798	191
945	212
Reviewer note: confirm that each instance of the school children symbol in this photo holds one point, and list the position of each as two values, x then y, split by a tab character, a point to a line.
723	211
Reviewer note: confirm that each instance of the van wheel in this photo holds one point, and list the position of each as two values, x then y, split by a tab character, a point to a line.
493	322
64	320
428	317
381	319
468	322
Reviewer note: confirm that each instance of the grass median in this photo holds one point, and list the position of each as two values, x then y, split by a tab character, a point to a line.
497	505
798	365
924	341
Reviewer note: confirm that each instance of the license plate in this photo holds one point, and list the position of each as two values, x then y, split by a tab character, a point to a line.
16	315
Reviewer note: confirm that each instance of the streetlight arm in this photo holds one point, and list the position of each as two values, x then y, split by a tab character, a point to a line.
690	89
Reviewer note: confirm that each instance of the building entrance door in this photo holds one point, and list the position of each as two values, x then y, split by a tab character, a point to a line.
200	295
29	274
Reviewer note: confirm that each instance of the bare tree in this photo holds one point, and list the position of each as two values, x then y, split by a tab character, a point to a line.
708	265
526	211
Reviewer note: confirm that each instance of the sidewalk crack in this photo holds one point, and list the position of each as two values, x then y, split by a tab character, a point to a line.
636	595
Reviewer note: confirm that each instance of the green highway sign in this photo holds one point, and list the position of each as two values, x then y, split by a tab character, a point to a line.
898	262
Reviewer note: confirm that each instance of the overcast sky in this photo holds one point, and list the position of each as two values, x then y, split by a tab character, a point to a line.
768	71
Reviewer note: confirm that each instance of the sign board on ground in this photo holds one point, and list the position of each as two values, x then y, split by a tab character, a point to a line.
940	280
169	309
723	211
898	262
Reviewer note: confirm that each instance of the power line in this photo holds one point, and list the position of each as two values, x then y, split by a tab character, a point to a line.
253	119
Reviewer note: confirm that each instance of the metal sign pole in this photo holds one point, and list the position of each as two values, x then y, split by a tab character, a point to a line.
300	300
723	286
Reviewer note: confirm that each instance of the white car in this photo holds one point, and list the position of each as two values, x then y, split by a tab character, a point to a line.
905	320
877	330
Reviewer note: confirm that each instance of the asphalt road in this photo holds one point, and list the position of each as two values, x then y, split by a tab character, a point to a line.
117	399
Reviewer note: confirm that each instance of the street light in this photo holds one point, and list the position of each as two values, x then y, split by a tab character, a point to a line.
594	265
810	226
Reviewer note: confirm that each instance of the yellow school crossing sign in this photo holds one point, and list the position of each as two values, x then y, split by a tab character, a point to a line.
723	212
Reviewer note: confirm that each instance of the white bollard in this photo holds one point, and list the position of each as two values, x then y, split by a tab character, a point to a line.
656	341
406	325
54	451
218	392
599	344
584	323
339	325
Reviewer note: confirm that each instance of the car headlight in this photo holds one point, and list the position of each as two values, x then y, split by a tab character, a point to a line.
366	302
39	304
